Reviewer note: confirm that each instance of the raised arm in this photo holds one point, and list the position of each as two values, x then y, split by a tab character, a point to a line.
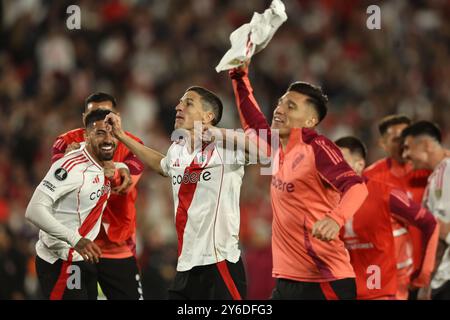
250	113
149	156
129	171
234	140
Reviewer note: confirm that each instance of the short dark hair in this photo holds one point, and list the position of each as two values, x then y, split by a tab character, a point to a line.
423	128
316	97
99	97
211	100
392	120
96	115
354	144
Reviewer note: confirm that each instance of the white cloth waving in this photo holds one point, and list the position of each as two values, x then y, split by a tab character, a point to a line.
250	38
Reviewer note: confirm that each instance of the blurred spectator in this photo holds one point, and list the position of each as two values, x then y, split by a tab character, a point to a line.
147	52
12	267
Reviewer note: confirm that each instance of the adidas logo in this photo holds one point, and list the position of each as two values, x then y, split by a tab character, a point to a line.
96	180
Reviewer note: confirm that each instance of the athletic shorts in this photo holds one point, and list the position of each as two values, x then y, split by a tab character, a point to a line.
219	281
344	289
67	281
441	293
120	278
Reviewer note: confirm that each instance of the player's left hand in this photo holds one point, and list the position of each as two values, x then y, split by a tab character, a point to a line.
125	177
115	122
326	229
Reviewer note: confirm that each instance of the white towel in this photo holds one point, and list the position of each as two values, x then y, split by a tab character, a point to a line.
250	38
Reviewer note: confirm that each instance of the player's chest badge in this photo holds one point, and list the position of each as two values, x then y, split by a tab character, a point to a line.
201	157
298	158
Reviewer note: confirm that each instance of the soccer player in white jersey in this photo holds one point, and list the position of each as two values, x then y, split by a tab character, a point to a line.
67	207
206	190
422	146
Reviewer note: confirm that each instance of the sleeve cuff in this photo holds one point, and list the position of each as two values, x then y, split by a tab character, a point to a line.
238	73
163	166
74	238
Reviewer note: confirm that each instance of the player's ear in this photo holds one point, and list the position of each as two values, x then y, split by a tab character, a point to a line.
429	144
382	143
208	117
83	117
360	165
311	122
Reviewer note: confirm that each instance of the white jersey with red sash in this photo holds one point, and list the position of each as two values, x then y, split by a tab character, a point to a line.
206	186
79	189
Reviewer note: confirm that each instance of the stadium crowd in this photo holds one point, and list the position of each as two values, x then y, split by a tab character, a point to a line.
145	52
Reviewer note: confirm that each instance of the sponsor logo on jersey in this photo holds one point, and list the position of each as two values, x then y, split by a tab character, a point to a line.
61	174
96	180
282	185
191	177
49	185
176	163
299	157
100	192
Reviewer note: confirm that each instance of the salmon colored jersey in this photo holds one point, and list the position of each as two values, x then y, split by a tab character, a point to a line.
311	181
119	218
368	237
408	240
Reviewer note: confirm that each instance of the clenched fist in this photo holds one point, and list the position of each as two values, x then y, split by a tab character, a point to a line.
326	229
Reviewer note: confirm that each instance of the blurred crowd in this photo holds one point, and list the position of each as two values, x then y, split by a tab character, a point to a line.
147	52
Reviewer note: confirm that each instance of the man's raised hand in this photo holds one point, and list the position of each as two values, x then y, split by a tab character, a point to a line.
115	122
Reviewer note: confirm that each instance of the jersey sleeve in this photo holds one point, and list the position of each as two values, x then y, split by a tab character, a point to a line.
332	167
404	209
165	162
240	158
58	181
336	172
134	164
252	118
58	149
442	197
165	165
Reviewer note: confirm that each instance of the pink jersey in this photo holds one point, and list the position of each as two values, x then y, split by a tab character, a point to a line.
312	182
